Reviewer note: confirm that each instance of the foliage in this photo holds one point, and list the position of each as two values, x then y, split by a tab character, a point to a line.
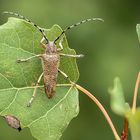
47	119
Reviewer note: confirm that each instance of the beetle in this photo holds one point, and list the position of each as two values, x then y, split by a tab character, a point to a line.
50	58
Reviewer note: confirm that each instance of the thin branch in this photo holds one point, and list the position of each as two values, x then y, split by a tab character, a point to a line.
124	135
102	110
135	93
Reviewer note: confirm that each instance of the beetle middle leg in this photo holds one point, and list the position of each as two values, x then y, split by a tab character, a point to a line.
34	93
72	55
27	59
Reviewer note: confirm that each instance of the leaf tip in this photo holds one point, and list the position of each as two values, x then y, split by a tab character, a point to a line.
117	84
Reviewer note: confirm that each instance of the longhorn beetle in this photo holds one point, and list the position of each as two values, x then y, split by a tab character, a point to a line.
50	58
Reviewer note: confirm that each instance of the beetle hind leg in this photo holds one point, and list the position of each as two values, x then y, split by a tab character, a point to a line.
35	89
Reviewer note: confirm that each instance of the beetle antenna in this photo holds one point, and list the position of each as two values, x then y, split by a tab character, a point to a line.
77	24
22	17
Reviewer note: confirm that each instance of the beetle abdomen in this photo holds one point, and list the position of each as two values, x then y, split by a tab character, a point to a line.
50	68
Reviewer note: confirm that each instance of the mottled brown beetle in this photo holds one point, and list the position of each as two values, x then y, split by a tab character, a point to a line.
50	59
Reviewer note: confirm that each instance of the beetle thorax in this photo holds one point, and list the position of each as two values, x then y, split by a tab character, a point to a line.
51	47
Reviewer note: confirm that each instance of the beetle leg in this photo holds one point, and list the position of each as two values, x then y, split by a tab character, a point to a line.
72	55
60	44
27	59
42	43
66	76
34	93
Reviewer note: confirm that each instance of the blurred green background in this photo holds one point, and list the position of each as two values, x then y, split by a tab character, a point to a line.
110	48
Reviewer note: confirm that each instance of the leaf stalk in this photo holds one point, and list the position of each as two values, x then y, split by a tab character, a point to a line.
96	101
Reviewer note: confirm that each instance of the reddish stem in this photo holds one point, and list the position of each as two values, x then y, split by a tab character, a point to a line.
124	135
101	108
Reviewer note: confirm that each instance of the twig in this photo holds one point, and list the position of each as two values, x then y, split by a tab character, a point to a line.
124	135
102	110
135	94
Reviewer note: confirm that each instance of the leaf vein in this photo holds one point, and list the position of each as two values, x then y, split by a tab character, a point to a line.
45	115
11	102
6	79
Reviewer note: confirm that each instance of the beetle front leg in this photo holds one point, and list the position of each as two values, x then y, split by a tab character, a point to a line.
60	44
42	43
67	55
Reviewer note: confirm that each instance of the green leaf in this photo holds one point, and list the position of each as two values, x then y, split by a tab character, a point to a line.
134	123
118	104
46	118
